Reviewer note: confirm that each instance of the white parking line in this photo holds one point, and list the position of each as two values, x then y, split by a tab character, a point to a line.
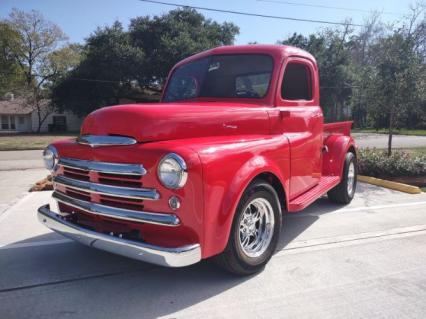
349	240
363	208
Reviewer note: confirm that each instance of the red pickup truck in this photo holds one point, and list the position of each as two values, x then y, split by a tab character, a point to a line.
237	141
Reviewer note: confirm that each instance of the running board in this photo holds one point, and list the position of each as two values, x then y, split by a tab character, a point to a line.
302	201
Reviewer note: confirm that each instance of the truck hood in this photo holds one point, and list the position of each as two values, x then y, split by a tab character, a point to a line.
169	121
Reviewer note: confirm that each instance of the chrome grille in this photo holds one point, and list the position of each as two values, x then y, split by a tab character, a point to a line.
107	189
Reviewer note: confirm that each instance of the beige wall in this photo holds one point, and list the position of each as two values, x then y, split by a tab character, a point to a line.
73	121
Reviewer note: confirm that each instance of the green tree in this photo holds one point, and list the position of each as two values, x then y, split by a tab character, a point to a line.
397	81
117	65
37	39
107	72
172	37
11	75
331	50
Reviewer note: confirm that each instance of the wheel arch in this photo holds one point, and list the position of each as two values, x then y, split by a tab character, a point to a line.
338	146
217	238
275	182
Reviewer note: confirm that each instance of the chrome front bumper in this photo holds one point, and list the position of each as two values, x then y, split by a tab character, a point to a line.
170	257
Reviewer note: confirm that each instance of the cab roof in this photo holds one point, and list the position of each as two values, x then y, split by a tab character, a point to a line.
279	52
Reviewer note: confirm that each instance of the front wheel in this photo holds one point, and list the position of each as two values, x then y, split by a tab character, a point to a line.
255	231
345	191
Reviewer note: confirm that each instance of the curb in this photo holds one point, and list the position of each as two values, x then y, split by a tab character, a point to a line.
391	185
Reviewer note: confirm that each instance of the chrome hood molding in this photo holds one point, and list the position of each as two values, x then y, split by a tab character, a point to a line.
105	140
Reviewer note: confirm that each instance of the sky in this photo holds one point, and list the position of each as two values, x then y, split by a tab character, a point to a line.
79	18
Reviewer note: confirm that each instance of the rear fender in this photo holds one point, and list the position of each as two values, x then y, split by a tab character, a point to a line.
334	156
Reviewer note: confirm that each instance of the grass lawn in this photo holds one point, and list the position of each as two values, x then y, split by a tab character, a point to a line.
385	131
30	141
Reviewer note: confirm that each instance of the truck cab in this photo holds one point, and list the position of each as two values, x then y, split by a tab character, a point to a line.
237	140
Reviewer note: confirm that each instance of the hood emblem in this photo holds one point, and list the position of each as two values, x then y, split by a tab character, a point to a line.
230	126
105	140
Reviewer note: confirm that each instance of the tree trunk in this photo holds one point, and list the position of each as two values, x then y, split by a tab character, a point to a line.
390	133
39	121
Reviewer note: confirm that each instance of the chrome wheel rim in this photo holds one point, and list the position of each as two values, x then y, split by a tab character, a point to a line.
351	177
256	227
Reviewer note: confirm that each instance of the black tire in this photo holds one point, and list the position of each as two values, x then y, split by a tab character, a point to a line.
340	194
233	258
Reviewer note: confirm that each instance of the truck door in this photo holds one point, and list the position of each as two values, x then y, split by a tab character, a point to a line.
302	122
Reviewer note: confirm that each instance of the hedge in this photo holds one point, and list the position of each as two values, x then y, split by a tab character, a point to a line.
377	163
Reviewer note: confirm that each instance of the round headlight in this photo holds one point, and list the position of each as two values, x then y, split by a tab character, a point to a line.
172	171
50	157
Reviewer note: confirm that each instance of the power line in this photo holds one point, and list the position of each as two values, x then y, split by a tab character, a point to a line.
251	14
322	6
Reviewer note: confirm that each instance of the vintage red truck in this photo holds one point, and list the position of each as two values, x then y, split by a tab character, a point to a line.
237	140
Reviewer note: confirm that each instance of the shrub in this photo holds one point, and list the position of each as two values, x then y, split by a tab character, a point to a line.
373	162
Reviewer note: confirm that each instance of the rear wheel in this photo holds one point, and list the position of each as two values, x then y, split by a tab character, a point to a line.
255	231
345	191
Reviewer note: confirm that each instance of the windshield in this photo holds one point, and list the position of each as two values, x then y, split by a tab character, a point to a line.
221	76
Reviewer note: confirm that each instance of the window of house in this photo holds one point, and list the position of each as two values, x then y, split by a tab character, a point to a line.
21	120
297	83
59	123
8	122
4	122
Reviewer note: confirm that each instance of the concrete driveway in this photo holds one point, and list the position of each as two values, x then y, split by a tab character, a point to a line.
19	170
365	260
381	140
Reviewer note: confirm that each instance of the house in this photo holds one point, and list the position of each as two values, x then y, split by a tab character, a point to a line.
16	116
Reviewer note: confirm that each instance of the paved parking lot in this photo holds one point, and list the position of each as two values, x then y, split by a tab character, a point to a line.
364	260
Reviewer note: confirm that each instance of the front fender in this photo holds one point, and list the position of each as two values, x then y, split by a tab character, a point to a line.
227	173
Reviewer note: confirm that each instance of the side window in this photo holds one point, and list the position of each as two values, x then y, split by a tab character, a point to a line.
297	82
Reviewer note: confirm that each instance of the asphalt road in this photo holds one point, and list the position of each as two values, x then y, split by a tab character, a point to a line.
364	140
365	260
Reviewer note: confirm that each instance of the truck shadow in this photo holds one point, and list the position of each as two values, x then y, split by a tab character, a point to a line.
69	279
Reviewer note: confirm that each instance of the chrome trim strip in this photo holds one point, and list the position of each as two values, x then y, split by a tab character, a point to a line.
103	167
109	190
171	257
118	213
105	140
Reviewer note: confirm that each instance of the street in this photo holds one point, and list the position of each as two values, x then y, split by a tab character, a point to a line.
361	261
371	140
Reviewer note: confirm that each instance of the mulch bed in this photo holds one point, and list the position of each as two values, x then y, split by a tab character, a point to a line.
43	185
